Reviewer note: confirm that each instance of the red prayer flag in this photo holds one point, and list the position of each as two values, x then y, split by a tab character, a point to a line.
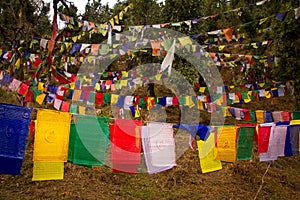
263	138
126	145
99	98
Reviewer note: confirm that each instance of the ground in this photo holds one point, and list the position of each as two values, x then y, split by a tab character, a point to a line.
278	180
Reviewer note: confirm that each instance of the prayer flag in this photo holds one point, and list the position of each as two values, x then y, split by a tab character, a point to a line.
48	171
51	136
89	138
245	143
126	146
226	143
208	155
168	60
14	124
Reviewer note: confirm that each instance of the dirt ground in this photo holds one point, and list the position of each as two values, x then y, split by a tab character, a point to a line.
273	180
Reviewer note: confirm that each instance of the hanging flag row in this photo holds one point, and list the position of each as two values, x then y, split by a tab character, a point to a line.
89	140
88	25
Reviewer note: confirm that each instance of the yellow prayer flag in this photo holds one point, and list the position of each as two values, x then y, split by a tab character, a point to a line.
207	155
261	21
158	77
123	83
90	59
81	110
48	171
226	143
51	138
72	85
247	100
40	86
227	112
112	22
117	19
267	94
189	101
97	87
260	116
114	98
103	29
237	99
124	74
221	47
76	95
121	15
185	41
231	86
202	89
18	63
219	101
40	98
295	122
74	39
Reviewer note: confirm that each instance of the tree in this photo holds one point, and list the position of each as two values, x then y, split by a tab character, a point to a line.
19	22
286	40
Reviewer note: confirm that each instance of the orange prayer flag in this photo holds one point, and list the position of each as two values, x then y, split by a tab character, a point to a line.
228	34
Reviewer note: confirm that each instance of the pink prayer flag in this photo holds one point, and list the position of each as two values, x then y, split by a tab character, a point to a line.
57	104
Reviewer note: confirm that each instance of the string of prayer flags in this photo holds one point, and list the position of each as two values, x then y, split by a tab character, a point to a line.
245	142
51	137
226	143
126	145
14	124
208	154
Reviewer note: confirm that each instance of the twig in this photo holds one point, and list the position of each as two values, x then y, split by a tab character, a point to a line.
262	181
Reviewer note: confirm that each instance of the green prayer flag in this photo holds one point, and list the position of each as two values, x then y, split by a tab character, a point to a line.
92	97
245	143
107	97
142	103
245	95
104	50
105	74
252	115
89	138
296	115
73	108
182	100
